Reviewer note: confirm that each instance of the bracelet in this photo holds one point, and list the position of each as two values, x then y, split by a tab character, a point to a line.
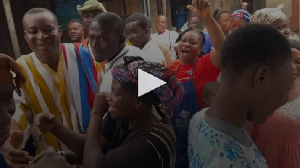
61	153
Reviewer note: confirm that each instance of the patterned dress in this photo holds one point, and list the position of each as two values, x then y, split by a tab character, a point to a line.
278	138
215	143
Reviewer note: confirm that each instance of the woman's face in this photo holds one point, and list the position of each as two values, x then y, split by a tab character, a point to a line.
296	62
224	22
282	25
194	23
190	46
236	23
122	104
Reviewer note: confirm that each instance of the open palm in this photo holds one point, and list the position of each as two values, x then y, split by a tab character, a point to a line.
200	8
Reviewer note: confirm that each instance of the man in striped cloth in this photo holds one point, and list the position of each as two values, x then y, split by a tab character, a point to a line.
60	79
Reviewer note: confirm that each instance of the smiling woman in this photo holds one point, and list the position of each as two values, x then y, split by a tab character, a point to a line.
194	72
134	123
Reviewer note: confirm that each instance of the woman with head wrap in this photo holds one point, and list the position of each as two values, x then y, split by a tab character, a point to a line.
136	132
273	17
239	18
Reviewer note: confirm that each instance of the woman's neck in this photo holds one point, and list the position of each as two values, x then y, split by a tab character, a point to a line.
188	62
143	117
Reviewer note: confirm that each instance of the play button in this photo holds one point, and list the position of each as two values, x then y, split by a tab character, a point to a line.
147	82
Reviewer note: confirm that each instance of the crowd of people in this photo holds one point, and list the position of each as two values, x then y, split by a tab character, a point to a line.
231	97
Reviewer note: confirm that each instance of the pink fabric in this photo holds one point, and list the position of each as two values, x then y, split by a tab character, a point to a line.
278	140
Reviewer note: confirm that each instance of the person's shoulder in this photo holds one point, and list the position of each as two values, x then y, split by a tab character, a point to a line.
199	115
174	32
133	49
174	65
136	52
154	45
24	58
203	58
154	35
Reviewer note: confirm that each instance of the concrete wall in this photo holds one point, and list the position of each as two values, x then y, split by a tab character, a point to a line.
259	5
274	3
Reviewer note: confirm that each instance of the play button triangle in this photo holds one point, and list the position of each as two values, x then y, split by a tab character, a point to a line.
147	82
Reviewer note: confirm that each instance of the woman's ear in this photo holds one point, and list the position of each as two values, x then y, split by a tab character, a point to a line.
138	103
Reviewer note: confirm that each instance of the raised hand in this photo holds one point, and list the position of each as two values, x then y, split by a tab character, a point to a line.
12	152
200	8
49	159
43	122
100	104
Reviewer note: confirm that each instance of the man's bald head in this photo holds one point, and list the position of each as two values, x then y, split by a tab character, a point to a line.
40	10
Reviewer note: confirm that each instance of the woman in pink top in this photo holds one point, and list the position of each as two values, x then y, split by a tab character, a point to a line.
279	138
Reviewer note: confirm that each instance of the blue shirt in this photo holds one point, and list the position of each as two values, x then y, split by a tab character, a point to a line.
207	45
216	143
3	163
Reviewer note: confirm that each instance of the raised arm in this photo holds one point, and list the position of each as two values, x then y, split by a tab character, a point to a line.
46	122
201	9
93	147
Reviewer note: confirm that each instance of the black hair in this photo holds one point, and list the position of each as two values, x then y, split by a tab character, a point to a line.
210	89
143	20
163	16
40	10
217	14
195	30
111	21
294	44
77	21
254	44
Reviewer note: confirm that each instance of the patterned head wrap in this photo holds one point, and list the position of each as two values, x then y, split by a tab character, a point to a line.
7	64
168	95
241	14
267	15
91	5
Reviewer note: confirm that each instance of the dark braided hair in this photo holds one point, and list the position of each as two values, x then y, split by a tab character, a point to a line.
195	30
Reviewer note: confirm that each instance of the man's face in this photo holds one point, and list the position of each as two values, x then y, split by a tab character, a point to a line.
88	16
161	24
7	109
244	5
104	42
136	35
42	33
194	23
76	32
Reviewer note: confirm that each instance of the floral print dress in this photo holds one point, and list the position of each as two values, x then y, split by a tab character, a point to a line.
215	143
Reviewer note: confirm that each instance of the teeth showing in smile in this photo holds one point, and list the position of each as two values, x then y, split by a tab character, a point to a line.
185	51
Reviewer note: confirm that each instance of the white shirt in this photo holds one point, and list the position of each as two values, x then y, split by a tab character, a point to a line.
154	53
105	86
168	38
